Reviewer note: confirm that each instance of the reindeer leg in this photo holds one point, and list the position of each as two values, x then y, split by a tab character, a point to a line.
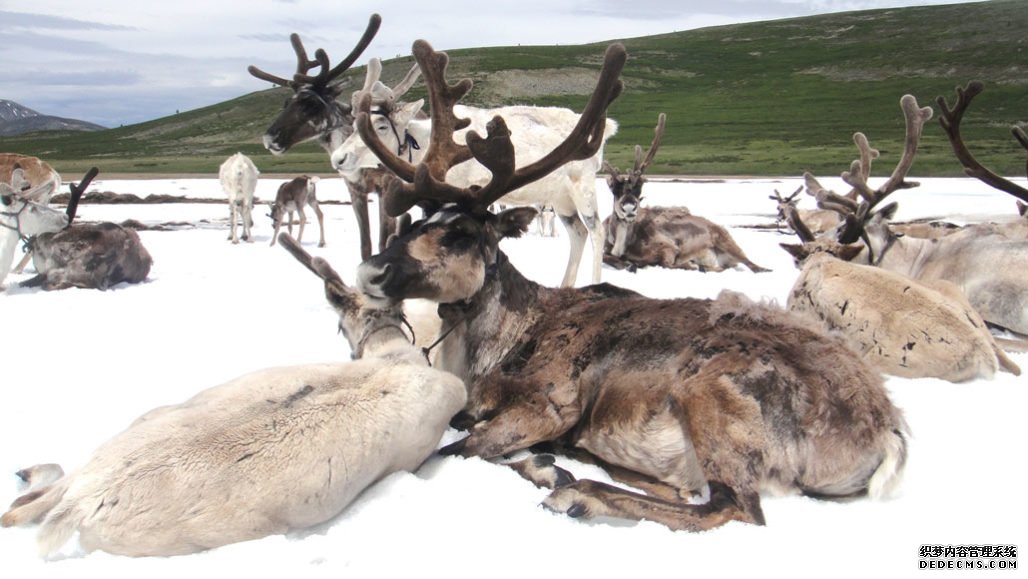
577	234
244	210
232	222
359	200
589	499
321	222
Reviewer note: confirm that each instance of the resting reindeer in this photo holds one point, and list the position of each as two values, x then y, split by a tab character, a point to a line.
238	176
314	113
672	395
87	255
985	265
902	327
269	452
662	236
570	190
22	218
817	220
291	198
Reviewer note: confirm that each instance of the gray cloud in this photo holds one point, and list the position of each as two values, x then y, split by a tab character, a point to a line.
128	62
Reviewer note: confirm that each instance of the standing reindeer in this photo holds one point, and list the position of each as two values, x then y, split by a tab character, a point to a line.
291	198
669	237
314	112
570	190
672	396
269	452
984	264
238	176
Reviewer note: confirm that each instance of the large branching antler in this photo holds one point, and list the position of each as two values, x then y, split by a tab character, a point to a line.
325	74
950	119
642	163
856	214
382	96
77	190
495	151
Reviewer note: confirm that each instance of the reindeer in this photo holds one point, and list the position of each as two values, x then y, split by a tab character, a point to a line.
269	452
35	172
675	396
817	220
22	218
534	128
291	198
669	237
983	263
314	113
238	177
902	327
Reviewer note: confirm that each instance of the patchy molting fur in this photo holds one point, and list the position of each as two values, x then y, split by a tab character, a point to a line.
89	255
670	237
763	398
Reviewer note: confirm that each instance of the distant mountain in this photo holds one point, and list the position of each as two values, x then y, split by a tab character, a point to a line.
16	119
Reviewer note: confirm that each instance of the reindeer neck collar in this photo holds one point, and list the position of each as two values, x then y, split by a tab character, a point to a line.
17	222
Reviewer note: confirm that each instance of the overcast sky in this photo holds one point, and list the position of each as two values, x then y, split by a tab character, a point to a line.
117	62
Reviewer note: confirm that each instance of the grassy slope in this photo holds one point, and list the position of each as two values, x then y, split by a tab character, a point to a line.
770	98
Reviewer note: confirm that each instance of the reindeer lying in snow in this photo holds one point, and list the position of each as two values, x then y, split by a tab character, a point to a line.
987	265
291	198
902	327
238	176
672	396
269	452
669	237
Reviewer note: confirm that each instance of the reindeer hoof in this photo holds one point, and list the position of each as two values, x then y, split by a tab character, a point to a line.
454	448
569	501
322	244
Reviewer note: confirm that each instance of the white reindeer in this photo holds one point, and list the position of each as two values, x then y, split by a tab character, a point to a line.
21	218
238	177
269	452
570	190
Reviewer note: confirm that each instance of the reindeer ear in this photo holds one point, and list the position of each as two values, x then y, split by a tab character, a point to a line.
849	252
797	251
514	222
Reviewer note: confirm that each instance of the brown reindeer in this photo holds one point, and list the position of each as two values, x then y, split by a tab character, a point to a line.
291	198
669	237
313	112
675	396
983	263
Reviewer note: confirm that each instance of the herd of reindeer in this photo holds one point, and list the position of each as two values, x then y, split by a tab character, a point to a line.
700	405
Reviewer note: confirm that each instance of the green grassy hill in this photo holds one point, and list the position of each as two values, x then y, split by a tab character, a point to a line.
766	98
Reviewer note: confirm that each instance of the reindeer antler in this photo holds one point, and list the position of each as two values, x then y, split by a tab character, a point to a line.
325	74
495	151
658	133
856	214
950	119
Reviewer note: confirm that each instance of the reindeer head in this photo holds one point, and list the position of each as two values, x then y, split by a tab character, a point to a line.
19	214
359	315
449	256
627	188
313	111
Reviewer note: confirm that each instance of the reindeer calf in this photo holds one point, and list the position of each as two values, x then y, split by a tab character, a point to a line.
269	452
291	198
902	327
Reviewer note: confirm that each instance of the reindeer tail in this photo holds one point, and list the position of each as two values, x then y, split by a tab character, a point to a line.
889	473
